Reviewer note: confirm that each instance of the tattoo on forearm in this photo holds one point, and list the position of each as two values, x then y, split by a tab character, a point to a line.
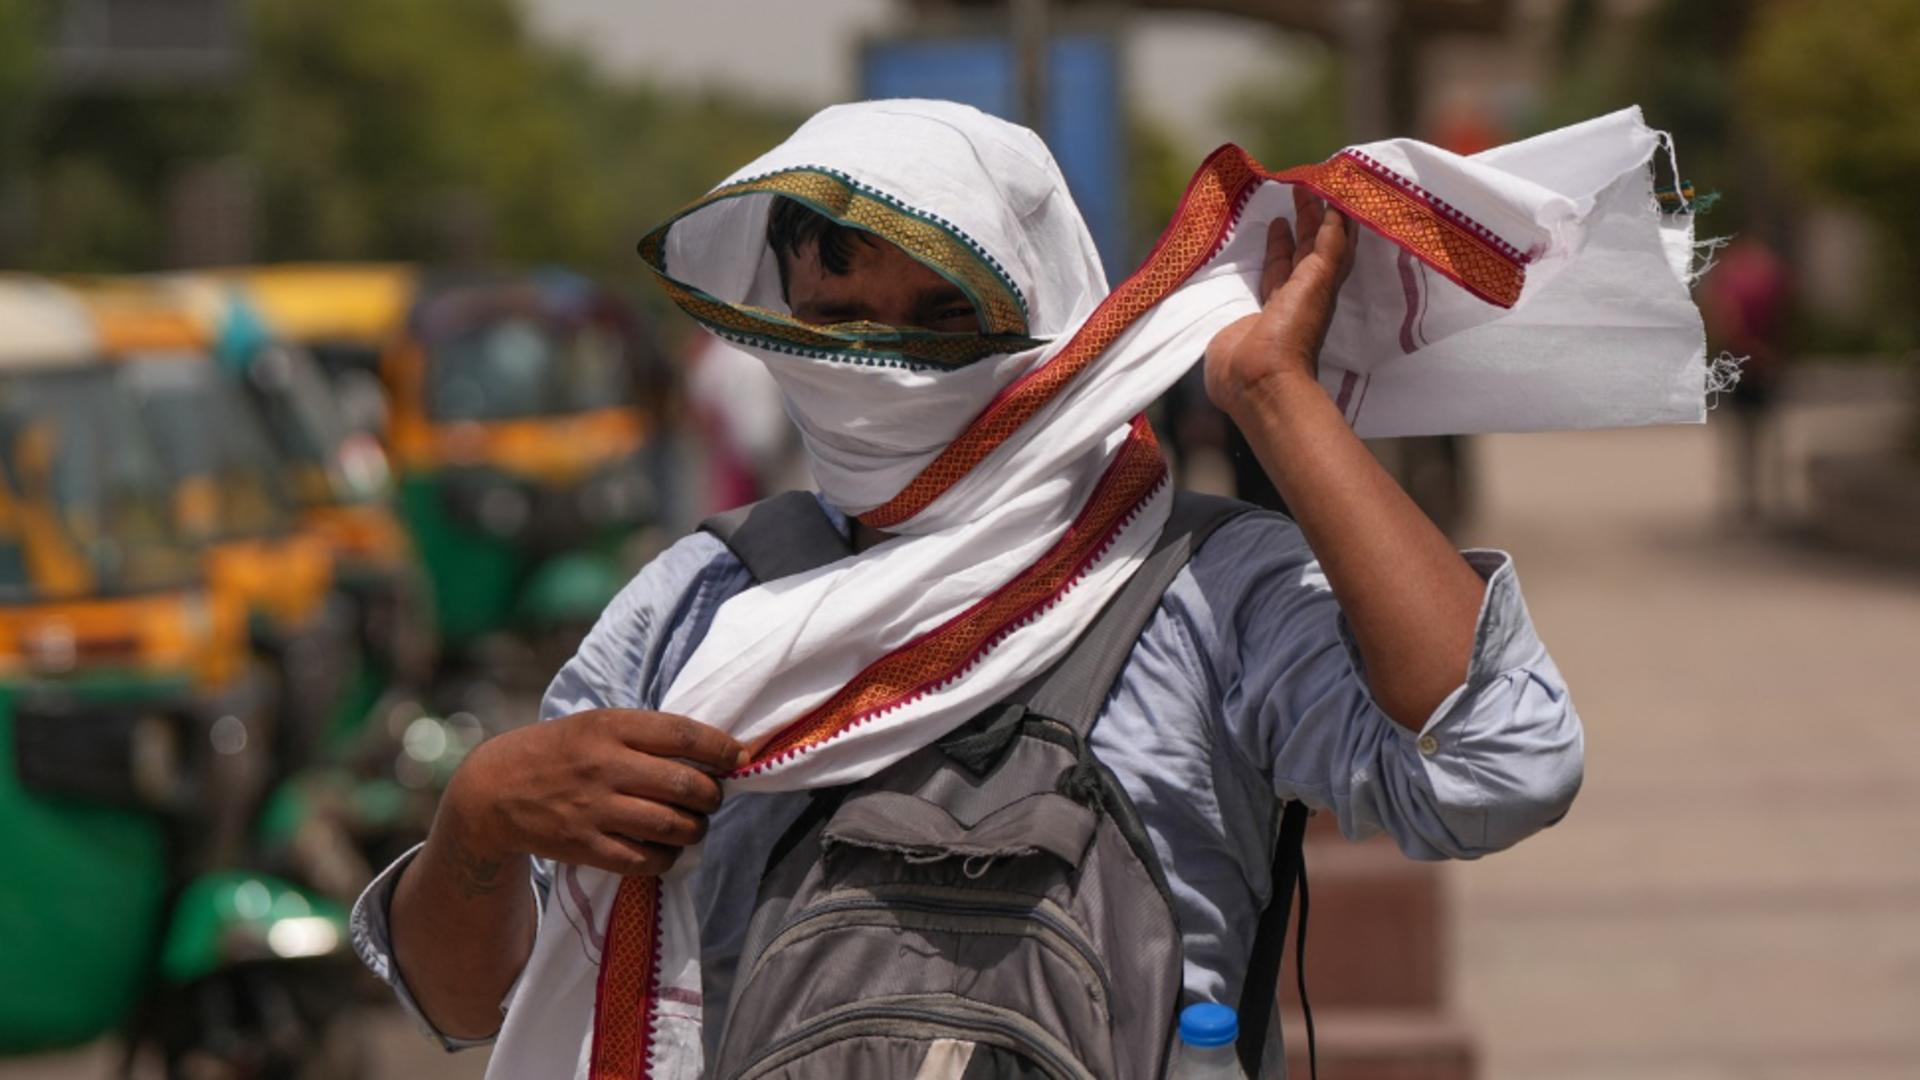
475	874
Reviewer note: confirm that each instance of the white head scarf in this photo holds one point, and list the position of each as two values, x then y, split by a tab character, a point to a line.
1014	466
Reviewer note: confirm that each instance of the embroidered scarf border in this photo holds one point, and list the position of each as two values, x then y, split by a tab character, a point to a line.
933	241
1372	194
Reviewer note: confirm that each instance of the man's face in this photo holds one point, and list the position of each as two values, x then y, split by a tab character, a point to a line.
882	284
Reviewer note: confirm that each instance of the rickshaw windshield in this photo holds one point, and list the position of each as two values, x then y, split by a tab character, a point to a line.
303	419
518	366
85	505
222	463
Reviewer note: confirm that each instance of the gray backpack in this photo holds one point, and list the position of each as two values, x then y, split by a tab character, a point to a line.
990	906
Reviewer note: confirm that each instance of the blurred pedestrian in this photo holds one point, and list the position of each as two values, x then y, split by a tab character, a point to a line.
1746	299
751	448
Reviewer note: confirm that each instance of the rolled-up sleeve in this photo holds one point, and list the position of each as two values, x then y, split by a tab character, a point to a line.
373	942
1498	760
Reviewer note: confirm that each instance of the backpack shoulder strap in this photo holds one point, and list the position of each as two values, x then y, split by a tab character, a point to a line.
1074	691
780	536
1262	983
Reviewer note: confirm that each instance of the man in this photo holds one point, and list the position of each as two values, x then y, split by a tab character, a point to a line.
1349	657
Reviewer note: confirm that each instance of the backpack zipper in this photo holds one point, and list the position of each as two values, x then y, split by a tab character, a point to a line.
1058	929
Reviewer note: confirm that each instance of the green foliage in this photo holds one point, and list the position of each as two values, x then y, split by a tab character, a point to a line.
1765	99
21	27
430	129
1158	169
411	128
1294	117
1291	116
416	129
1675	62
89	219
1835	88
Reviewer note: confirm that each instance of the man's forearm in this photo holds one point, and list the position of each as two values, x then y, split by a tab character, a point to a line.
1411	599
462	924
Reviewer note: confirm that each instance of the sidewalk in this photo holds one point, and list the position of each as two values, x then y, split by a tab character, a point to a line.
1737	891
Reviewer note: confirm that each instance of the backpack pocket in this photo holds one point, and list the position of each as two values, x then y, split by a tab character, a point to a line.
922	1036
916	927
1043	822
933	911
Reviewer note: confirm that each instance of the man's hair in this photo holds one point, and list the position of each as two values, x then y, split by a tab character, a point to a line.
792	225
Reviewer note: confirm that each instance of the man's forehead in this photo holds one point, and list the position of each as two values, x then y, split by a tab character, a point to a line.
875	261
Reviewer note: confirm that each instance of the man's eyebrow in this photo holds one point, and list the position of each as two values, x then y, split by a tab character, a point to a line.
836	310
940	296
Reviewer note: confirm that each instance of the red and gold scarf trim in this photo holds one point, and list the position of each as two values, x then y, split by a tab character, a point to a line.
948	652
629	978
1390	204
629	982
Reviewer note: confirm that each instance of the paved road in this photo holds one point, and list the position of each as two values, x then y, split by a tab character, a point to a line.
400	1052
1737	890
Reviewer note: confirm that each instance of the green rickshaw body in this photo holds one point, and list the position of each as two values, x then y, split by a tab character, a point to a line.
82	893
89	915
133	730
520	433
487	580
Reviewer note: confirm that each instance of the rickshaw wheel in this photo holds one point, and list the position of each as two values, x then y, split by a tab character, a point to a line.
273	1021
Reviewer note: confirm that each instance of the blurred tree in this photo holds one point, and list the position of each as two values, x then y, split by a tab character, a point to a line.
437	128
1676	61
1285	118
661	150
417	130
1729	80
1296	115
433	130
1158	168
1835	89
22	27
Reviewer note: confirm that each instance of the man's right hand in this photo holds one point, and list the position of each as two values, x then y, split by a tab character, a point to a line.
622	790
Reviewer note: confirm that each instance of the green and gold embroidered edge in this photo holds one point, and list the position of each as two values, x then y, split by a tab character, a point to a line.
933	242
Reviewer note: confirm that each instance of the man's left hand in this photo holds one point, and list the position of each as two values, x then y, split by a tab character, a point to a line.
1299	283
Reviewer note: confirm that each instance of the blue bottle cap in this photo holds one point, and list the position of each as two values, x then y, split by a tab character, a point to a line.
1208	1024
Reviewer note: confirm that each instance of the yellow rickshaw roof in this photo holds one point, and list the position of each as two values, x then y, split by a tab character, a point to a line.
362	302
142	315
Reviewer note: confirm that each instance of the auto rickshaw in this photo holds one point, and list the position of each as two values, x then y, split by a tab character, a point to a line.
135	739
514	408
232	501
341	487
372	783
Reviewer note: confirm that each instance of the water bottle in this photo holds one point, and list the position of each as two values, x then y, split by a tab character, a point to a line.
1207	1036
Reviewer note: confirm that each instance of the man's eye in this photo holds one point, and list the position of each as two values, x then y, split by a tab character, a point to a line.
954	313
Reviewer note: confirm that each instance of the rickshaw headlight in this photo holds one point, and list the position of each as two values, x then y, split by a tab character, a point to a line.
302	935
618	494
51	647
492	503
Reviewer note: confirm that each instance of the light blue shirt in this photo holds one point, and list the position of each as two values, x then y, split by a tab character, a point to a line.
1245	689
